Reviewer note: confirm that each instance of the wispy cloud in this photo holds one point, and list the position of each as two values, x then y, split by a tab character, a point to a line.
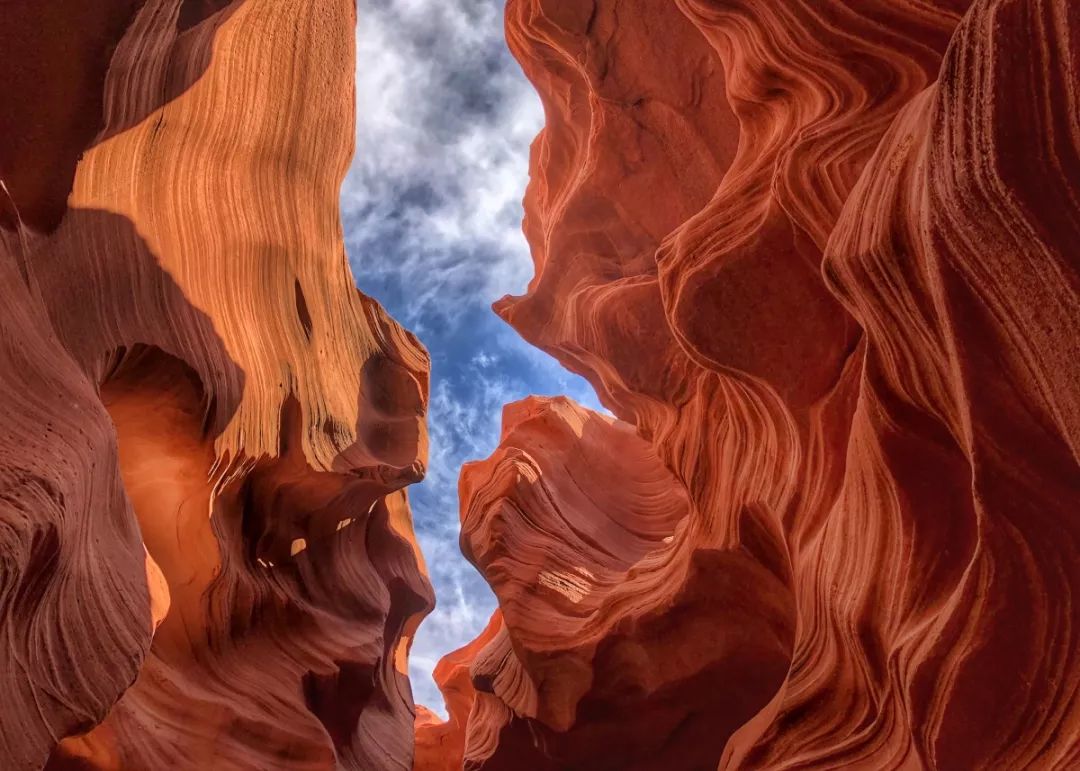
444	120
432	213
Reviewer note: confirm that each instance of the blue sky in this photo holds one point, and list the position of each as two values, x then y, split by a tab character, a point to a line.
432	216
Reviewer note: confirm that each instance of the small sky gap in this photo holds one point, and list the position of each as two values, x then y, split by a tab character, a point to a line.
432	214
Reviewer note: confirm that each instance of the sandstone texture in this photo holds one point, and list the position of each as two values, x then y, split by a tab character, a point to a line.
819	260
206	553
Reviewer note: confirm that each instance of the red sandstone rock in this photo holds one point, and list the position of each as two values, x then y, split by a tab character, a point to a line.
207	556
817	257
441	744
820	256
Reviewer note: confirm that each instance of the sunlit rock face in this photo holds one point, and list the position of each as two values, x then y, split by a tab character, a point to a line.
206	554
819	260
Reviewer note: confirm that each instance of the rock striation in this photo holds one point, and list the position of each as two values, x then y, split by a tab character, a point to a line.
206	552
818	258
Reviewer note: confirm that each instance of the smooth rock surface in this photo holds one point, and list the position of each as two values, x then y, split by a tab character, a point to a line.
819	260
207	553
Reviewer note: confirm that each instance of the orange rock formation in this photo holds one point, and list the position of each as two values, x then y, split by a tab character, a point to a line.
206	556
819	259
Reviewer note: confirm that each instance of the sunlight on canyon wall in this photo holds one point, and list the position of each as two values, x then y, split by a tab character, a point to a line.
819	259
207	552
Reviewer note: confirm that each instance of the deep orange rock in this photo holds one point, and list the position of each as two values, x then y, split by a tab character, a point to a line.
818	258
207	555
441	744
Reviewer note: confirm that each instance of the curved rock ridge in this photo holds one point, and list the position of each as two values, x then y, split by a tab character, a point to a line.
442	744
572	520
820	257
206	552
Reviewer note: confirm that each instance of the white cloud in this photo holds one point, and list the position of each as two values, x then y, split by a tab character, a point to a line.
444	121
464	423
432	211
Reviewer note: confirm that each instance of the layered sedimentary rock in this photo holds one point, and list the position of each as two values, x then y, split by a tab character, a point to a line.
440	744
206	556
819	260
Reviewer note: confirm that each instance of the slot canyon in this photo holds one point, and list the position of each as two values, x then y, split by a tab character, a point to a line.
819	260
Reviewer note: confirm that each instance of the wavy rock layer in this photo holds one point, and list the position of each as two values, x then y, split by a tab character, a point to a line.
818	258
207	556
